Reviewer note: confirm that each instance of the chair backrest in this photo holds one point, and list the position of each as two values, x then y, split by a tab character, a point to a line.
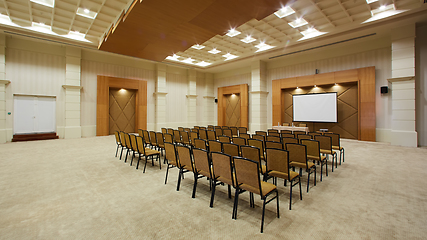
133	142
259	144
211	128
184	137
245	135
312	134
211	135
164	130
141	133
285	124
247	175
204	128
277	160
288	135
146	136
285	131
258	137
227	132
234	131
222	167
313	148
184	155
225	127
272	131
270	144
335	137
128	141
168	138
296	133
250	152
273	138
117	134
193	135
187	129
224	139
153	140
325	142
194	130
202	134
196	127
140	144
170	131
218	131
201	161
160	141
180	129
176	136
274	134
261	133
242	130
230	149
303	136
170	152
239	141
200	143
288	140
215	146
297	152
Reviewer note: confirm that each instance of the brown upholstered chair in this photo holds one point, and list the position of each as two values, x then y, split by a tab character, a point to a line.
288	135
278	167
231	149
242	130
326	148
170	157
160	142
212	128
227	132
224	139
285	131
146	152
118	141
215	146
245	135
202	167
272	131
276	134
272	144
193	135
273	138
128	143
202	134
303	136
176	137
336	143
253	153
222	173
218	131
312	134
180	129
259	144
185	138
298	158
211	135
164	130
313	153
225	127
187	130
248	179
146	136
258	137
153	139
185	163
194	130
200	143
288	140
134	146
170	131
168	138
296	133
239	141
261	133
234	131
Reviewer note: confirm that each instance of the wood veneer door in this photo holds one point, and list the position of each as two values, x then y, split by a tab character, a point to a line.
122	110
232	110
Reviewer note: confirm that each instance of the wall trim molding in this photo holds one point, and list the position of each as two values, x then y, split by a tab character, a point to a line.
5	82
72	87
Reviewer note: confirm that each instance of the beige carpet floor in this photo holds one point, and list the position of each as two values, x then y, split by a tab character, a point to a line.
77	189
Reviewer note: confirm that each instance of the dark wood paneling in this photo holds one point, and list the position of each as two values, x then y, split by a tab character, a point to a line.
242	90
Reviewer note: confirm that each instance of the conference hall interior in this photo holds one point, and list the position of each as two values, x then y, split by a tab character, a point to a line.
245	119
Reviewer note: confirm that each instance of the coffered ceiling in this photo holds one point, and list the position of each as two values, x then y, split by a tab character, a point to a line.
195	33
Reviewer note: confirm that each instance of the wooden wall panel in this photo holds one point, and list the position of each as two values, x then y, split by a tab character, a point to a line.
244	105
102	105
346	76
367	103
288	82
241	89
305	81
326	78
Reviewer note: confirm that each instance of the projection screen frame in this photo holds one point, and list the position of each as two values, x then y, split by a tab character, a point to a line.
311	94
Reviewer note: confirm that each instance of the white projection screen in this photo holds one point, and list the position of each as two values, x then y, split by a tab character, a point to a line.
316	107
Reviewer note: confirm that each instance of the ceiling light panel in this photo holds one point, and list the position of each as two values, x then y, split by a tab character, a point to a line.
84	12
383	8
298	23
284	12
214	51
47	3
233	32
262	46
229	56
371	1
248	39
197	46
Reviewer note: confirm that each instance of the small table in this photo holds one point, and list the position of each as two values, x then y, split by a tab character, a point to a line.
291	128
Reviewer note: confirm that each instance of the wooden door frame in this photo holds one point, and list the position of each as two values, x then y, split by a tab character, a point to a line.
104	83
242	90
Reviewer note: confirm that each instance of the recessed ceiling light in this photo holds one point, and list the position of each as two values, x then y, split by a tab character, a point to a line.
41	27
174	57
203	64
298	23
233	32
47	3
310	33
188	60
197	46
262	46
371	1
76	34
229	56
382	9
214	51
285	11
84	12
248	39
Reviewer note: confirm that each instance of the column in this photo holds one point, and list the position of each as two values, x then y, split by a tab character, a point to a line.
72	93
192	98
258	97
209	101
3	84
160	96
403	87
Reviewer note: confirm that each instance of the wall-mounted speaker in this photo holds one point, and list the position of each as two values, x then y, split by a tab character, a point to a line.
384	89
216	100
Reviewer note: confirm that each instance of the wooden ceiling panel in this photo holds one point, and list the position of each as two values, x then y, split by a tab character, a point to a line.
155	29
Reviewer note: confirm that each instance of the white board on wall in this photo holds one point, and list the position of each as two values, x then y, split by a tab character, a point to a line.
34	114
316	107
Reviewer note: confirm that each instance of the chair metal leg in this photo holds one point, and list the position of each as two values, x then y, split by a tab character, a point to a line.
117	149
263	212
213	193
139	159
229	191
145	165
195	185
308	180
167	171
290	195
300	190
121	153
179	179
277	201
236	203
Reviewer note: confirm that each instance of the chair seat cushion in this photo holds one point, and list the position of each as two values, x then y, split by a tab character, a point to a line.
319	158
326	151
265	186
302	165
337	148
150	152
283	175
